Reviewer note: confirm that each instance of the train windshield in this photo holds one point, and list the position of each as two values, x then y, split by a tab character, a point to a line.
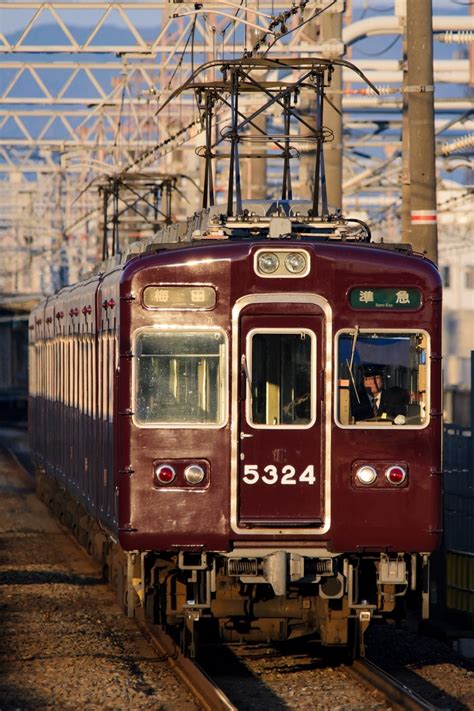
180	378
281	383
382	378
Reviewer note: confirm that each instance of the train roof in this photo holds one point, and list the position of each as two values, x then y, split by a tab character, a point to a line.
265	220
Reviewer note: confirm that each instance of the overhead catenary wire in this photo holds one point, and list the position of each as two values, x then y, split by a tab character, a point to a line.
287	32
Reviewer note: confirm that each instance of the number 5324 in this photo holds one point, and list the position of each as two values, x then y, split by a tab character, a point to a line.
271	475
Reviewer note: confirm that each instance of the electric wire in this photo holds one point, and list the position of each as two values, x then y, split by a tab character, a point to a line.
381	52
281	20
377	9
224	30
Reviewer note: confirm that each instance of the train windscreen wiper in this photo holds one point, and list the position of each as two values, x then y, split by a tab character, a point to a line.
351	363
245	378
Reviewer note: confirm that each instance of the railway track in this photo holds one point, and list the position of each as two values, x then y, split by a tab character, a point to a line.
305	678
289	682
201	686
397	694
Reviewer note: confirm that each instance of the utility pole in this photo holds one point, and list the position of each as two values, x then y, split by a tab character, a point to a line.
331	30
401	11
420	99
255	186
257	181
326	29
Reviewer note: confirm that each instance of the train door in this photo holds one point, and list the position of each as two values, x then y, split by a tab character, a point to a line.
280	442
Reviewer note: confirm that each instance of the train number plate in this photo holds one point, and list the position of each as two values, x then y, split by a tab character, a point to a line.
286	475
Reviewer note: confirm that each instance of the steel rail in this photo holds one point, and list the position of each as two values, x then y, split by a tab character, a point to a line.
201	686
395	692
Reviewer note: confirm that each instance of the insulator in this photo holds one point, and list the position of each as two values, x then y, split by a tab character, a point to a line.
367	91
463	37
458	145
386	90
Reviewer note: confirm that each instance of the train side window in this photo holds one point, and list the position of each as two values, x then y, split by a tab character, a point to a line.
54	369
105	375
40	369
32	369
94	349
57	368
89	377
382	378
179	378
43	368
67	348
64	371
61	370
85	382
280	379
77	369
74	369
71	370
111	361
46	370
85	363
98	373
80	379
80	374
50	370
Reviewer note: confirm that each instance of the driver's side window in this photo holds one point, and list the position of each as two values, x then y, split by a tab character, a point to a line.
382	378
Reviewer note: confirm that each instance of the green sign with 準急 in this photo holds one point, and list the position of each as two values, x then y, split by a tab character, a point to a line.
398	297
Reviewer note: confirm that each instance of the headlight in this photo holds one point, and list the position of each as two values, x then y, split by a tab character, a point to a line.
268	262
366	475
165	474
295	262
194	474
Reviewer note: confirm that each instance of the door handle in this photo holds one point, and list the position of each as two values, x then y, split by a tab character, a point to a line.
244	435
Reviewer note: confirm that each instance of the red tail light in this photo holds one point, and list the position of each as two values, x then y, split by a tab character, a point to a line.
396	475
165	474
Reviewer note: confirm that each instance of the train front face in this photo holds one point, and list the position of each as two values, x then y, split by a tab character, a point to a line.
246	454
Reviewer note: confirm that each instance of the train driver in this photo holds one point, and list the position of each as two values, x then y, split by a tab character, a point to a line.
374	401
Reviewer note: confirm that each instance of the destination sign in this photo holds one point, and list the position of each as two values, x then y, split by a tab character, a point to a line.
179	297
399	298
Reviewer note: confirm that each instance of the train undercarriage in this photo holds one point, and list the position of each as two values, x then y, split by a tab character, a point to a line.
252	594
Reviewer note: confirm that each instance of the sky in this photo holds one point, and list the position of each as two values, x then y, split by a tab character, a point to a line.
15	19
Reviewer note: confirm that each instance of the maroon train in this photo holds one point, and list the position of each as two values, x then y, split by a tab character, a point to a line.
192	414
